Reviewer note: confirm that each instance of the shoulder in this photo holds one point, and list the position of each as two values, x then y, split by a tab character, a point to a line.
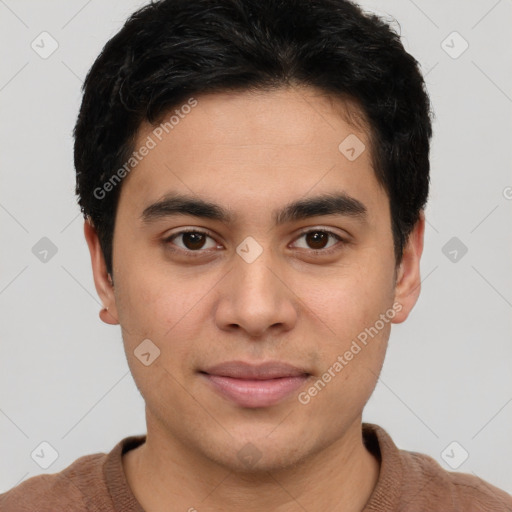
415	482
73	489
427	482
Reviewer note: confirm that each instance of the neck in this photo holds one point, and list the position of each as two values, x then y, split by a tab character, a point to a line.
340	477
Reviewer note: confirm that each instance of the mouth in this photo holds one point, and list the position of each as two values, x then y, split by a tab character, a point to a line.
255	386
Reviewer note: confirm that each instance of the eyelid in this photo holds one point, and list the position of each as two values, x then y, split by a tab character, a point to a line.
168	239
344	240
325	229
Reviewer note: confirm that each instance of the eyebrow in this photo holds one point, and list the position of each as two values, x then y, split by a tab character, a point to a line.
325	204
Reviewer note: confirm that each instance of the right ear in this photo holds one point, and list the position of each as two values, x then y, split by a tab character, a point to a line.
102	279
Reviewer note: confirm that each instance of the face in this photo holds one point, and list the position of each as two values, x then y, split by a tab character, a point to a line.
305	296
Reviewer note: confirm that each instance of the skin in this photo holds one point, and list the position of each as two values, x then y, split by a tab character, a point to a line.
254	153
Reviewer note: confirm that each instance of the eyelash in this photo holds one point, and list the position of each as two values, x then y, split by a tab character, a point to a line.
167	241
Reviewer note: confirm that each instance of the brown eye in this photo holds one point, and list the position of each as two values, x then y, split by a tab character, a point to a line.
318	240
192	241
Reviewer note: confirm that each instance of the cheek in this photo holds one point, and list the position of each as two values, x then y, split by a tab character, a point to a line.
167	308
351	347
147	299
154	307
345	303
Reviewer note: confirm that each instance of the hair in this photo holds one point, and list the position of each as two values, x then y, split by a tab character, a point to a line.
169	50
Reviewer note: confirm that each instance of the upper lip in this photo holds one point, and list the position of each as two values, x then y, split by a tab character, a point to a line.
243	370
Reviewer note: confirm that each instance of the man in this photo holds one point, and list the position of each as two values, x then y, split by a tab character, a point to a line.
253	176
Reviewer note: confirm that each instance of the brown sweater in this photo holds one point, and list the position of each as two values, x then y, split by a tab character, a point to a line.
408	482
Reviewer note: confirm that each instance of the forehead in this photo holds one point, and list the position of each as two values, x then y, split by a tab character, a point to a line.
253	146
292	115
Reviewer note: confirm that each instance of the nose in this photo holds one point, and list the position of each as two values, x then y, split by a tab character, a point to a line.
255	298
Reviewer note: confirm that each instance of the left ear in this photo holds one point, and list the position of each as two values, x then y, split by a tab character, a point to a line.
408	282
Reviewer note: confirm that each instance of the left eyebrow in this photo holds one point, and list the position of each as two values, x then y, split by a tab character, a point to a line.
326	204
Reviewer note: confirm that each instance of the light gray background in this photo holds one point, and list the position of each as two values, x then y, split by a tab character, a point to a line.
447	375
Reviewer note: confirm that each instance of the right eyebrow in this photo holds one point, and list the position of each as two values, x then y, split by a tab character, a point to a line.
178	204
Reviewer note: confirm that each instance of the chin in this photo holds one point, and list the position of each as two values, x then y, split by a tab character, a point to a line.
260	454
252	460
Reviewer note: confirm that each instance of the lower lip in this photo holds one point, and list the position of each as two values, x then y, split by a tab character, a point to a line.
256	393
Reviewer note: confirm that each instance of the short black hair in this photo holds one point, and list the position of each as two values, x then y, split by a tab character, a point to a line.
169	50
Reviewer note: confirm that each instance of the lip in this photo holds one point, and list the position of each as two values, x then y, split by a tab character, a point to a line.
253	386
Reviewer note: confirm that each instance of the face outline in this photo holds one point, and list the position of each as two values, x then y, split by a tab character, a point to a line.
253	154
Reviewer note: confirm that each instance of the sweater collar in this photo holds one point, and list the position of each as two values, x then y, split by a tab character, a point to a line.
384	498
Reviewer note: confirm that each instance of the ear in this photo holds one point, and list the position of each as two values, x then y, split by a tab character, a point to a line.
102	280
408	281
